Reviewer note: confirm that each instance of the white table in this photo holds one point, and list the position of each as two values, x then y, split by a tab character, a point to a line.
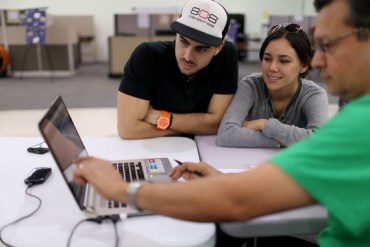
231	158
59	213
307	220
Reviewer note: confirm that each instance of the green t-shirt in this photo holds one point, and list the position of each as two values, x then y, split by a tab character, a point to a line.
333	166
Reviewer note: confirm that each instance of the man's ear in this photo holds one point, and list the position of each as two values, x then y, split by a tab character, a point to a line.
219	48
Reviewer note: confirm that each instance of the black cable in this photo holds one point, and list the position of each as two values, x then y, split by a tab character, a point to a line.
74	229
116	242
21	218
38	144
99	220
114	218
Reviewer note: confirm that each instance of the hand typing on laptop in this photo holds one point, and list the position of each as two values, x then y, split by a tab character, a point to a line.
109	184
102	176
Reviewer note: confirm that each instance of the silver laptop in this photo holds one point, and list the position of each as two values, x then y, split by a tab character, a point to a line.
65	144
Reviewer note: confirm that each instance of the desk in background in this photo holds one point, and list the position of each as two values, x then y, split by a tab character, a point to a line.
59	213
307	220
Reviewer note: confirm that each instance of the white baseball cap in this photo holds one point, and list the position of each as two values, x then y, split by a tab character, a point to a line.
204	21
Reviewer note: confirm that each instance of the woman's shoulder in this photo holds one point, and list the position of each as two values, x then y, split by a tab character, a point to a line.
308	85
252	83
254	79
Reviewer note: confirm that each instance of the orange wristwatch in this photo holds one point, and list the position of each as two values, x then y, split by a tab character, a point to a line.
164	120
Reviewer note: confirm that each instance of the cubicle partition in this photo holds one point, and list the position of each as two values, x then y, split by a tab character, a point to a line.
58	55
120	48
133	29
61	53
84	24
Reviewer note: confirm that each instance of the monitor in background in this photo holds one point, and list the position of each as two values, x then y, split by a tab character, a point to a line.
239	18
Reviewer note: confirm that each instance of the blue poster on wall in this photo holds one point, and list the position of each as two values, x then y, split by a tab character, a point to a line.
35	26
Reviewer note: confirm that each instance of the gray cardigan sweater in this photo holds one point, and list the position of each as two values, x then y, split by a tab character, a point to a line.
307	111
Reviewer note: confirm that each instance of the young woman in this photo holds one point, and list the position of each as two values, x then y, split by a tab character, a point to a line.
276	107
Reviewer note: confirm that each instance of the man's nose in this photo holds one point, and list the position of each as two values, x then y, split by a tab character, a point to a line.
318	60
188	54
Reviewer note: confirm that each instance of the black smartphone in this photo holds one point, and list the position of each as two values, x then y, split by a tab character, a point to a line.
39	148
38	175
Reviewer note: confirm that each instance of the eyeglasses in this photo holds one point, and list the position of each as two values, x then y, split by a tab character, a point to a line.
290	27
324	46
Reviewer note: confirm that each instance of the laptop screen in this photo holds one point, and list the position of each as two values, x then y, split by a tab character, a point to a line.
64	142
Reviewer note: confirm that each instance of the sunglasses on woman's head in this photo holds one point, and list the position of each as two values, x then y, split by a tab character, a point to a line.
289	27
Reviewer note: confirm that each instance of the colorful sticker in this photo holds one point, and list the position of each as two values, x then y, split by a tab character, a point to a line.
155	166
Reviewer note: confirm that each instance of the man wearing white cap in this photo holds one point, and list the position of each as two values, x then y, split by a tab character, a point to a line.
180	87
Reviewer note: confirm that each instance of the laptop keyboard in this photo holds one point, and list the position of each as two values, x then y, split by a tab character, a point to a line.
130	172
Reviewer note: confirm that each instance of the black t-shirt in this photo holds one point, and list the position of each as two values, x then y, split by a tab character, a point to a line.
152	74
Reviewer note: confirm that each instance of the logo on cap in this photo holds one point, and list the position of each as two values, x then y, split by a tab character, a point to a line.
203	16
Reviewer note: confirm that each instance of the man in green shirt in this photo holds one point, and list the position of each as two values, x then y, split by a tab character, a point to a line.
331	167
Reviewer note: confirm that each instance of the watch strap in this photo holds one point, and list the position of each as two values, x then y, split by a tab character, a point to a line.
171	118
132	189
165	114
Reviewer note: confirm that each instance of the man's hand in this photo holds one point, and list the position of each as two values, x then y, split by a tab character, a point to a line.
256	125
188	170
102	176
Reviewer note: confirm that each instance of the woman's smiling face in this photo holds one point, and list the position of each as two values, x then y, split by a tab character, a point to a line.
281	65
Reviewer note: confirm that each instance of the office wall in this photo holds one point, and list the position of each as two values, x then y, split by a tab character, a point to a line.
256	12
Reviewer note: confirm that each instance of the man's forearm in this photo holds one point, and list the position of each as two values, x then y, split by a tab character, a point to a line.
195	123
142	130
195	206
199	200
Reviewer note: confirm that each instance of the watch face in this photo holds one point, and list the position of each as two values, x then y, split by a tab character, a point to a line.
163	123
